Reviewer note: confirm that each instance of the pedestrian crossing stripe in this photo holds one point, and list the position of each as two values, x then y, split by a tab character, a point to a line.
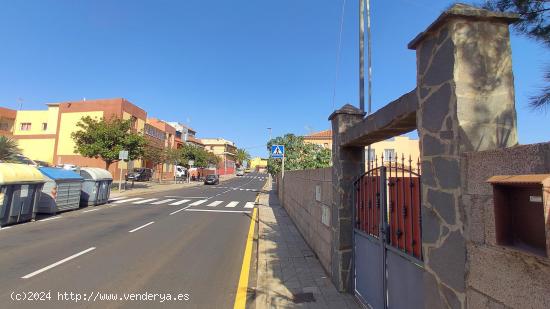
146	201
175	202
232	204
163	201
198	202
180	202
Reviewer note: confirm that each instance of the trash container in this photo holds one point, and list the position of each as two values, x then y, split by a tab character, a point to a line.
61	191
20	187
96	187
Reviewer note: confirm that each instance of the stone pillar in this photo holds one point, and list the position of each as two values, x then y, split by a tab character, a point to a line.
465	91
347	165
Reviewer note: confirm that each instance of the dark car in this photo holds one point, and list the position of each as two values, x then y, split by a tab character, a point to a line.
212	180
140	174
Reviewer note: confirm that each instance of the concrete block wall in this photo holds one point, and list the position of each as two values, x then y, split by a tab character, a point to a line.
297	194
498	276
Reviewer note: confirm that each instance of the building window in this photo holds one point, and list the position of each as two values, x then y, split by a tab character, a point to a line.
4	126
25	126
389	155
44	126
134	122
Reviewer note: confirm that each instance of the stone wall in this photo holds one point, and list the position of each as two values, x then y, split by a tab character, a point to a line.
497	276
307	196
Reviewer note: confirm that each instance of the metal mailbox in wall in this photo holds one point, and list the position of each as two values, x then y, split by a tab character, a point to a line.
521	209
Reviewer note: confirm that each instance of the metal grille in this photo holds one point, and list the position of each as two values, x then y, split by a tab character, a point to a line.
402	203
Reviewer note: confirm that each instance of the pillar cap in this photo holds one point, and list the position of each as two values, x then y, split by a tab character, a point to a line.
464	11
347	109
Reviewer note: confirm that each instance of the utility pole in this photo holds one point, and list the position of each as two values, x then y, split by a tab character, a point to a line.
362	55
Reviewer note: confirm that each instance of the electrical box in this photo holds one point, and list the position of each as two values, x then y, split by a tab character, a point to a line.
521	210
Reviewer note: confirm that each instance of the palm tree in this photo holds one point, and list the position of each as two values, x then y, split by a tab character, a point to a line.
8	149
242	155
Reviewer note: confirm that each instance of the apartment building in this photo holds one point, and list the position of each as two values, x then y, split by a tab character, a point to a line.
46	134
185	135
161	135
225	150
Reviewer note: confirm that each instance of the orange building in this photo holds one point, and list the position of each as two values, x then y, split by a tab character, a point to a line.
46	134
7	120
162	136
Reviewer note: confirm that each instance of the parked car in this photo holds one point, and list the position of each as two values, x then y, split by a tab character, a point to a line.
212	180
181	172
240	173
140	174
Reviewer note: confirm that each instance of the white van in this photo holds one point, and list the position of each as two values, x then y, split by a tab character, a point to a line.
181	172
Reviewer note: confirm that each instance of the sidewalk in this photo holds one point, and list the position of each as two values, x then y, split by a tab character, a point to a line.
289	274
152	187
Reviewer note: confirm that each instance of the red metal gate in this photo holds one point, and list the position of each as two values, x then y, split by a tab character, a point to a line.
388	234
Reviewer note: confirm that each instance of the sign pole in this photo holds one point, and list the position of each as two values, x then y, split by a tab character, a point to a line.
120	178
283	169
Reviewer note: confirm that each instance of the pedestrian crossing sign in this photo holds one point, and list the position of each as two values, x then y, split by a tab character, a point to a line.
277	151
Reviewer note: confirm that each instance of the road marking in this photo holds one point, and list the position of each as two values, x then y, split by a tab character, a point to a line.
232	204
48	219
215	210
128	200
179	202
198	202
146	201
139	228
178	196
163	201
91	210
175	212
249	205
57	263
5	228
214	204
242	287
116	198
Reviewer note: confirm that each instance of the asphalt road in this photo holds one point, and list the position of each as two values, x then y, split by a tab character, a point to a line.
187	243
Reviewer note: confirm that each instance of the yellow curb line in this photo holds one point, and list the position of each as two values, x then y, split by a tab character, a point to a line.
242	288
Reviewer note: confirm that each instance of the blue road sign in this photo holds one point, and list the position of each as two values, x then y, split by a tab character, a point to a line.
277	151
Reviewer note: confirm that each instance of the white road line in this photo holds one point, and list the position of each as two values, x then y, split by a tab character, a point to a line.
95	209
178	196
57	263
5	228
163	201
145	201
139	228
214	204
48	219
232	204
215	210
116	198
198	202
180	202
128	200
249	205
175	212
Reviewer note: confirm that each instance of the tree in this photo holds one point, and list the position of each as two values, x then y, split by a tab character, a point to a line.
298	154
534	23
242	155
101	138
8	149
201	157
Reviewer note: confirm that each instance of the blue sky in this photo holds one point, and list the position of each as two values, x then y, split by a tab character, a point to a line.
227	68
